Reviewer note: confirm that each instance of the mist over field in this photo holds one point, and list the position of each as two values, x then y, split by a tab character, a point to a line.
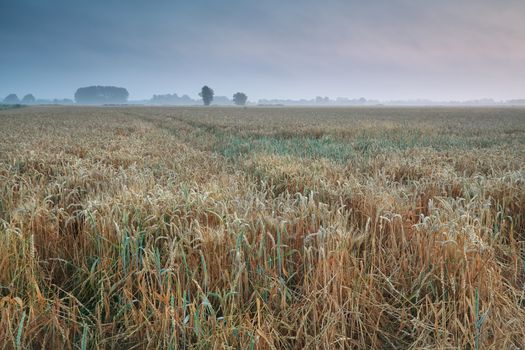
262	175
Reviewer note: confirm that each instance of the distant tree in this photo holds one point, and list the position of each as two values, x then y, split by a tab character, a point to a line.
172	99
101	95
222	101
207	95
322	100
28	99
11	99
240	98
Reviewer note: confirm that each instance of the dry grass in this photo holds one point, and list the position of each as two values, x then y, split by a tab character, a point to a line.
263	228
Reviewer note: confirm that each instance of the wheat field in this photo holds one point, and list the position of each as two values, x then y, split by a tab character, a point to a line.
262	228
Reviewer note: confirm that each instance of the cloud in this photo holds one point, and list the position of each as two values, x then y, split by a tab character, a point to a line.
381	49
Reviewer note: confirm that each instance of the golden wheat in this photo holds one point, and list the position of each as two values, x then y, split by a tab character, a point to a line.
262	228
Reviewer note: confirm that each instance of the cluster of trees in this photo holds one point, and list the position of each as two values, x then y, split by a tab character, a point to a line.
207	94
112	94
319	101
171	99
118	95
13	99
101	95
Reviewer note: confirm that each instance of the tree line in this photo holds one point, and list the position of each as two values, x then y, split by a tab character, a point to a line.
101	95
13	99
97	94
207	93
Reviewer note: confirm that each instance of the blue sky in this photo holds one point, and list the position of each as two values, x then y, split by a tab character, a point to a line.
383	49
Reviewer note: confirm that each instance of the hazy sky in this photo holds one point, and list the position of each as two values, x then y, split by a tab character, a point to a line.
384	49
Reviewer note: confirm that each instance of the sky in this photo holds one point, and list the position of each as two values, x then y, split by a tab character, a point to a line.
377	49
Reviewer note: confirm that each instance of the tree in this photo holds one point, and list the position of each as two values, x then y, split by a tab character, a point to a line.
101	95
172	99
240	98
11	99
207	95
28	99
322	100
